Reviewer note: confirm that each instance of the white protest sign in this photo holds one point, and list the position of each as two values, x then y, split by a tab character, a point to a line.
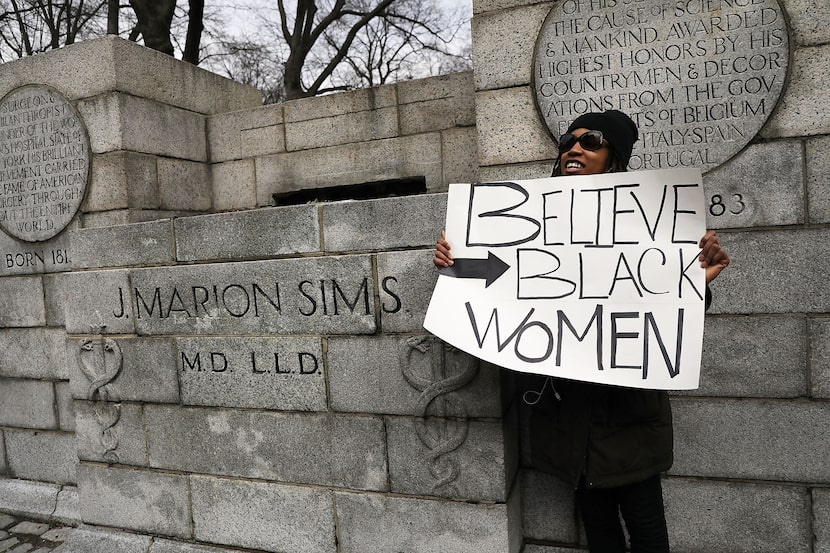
592	278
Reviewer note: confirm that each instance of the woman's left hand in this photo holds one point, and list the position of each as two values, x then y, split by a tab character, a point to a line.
713	257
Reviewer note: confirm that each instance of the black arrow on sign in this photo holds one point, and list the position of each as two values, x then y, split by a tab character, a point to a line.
489	269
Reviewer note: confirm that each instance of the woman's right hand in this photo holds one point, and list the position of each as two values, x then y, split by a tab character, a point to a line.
443	257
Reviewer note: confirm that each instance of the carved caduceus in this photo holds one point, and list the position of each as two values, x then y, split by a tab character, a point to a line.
437	398
100	360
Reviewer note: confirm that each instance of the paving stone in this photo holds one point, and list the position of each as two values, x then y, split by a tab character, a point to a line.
6	521
93	540
58	534
28	527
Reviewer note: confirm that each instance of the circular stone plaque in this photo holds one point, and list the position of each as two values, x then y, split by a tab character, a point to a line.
699	77
44	163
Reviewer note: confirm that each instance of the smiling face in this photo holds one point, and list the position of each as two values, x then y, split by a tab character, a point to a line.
579	161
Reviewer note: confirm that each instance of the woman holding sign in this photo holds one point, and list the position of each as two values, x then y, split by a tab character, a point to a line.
610	443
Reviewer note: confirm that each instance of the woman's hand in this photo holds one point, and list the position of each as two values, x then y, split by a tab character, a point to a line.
443	257
713	257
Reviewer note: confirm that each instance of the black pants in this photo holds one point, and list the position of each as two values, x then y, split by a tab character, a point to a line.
641	506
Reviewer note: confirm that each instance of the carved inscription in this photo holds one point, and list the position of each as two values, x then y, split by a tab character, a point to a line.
44	163
699	77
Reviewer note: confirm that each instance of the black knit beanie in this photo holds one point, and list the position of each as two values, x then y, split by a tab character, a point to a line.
617	128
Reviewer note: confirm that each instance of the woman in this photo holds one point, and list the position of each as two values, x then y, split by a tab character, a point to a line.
610	443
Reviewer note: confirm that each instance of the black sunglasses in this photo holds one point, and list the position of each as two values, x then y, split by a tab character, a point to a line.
591	140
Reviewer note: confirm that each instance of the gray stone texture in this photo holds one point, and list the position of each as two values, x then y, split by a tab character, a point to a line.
351	127
44	456
67	510
333	105
521	171
329	450
509	129
378	224
285	374
794	283
248	234
503	45
802	110
66	409
808	20
119	246
54	299
168	546
148	371
436	103
27	404
821	520
28	498
483	6
184	185
391	374
88	539
818	179
263	516
452	458
27	258
546	549
548	509
3	467
118	121
21	302
820	358
122	180
460	148
754	357
393	523
234	185
762	186
392	158
246	133
405	282
98	298
751	439
291	296
33	353
149	502
734	517
125	441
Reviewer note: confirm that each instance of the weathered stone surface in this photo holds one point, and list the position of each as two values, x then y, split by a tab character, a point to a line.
3	467
27	258
167	546
117	121
125	442
754	357
365	225
285	374
24	497
420	465
390	375
184	185
460	149
66	410
332	105
236	443
33	353
234	185
54	299
436	103
247	133
821	520
416	155
820	358
482	6
802	110
807	20
759	439
21	302
67	511
763	186
754	285
503	43
545	549
121	180
44	456
264	516
732	517
384	523
333	130
818	179
92	298
522	171
296	296
148	370
148	502
248	234
548	509
406	280
88	539
509	129
27	404
136	244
